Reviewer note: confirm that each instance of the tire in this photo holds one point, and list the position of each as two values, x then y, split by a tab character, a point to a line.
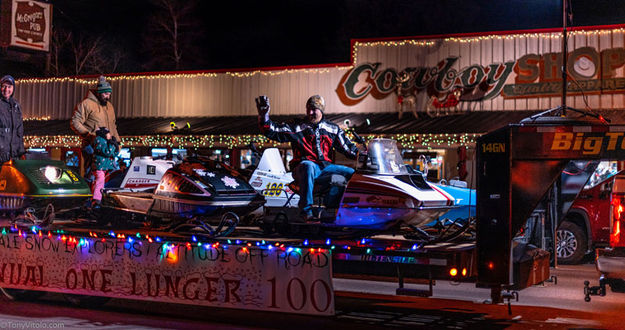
617	285
571	243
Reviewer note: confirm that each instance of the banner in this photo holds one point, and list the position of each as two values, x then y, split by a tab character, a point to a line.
290	280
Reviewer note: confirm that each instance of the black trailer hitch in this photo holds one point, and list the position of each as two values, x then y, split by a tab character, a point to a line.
498	296
595	290
509	295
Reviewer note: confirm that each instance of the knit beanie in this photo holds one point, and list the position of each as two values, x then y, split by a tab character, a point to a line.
7	79
103	86
316	102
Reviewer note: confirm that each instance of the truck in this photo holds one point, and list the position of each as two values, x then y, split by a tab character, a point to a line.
586	225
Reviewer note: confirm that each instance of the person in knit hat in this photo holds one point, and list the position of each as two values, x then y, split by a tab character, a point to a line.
93	112
12	139
312	139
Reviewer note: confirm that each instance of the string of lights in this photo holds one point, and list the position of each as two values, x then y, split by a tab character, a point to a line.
170	244
246	74
431	42
243	141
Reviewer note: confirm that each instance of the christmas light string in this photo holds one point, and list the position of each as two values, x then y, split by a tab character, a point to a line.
464	40
234	74
171	245
243	141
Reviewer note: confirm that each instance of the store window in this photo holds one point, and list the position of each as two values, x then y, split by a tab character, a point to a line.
159	153
249	158
430	160
72	159
124	156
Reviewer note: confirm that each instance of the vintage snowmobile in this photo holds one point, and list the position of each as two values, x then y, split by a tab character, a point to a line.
198	193
35	191
383	195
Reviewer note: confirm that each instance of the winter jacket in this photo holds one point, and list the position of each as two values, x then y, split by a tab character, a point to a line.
89	115
105	152
309	141
11	129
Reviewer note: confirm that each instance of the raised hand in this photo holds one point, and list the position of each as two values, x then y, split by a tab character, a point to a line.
262	105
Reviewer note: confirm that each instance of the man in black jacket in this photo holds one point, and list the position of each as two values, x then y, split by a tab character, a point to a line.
11	125
312	139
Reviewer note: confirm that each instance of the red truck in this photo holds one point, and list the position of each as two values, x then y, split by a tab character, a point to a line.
586	226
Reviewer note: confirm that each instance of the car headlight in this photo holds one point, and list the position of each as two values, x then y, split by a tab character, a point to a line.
52	173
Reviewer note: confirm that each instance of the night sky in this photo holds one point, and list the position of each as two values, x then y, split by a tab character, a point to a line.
244	34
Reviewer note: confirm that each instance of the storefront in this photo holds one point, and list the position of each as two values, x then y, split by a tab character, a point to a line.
433	95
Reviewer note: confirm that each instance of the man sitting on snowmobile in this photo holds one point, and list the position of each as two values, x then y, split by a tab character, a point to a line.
312	138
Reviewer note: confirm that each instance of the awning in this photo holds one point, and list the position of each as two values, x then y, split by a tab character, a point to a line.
210	131
364	123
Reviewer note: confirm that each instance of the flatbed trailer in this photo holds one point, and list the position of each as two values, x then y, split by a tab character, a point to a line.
516	167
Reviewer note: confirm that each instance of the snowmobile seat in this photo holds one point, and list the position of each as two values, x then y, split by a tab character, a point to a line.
322	184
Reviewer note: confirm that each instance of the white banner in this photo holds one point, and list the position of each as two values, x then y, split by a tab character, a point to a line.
284	279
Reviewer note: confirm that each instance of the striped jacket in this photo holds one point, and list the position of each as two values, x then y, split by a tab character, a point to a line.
309	141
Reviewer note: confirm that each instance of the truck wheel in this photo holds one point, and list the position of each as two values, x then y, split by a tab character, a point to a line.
617	285
571	243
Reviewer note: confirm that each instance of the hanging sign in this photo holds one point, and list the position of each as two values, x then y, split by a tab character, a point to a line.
290	280
31	24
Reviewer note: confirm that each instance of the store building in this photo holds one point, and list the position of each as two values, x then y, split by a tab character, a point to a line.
434	95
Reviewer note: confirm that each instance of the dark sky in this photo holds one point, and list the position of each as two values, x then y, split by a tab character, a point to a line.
239	34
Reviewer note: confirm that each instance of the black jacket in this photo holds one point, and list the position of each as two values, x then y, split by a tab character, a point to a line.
11	129
308	141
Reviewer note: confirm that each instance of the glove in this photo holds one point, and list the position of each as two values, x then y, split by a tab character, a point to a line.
113	141
262	105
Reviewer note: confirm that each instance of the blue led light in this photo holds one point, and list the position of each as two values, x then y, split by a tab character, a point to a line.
328	241
193	238
306	242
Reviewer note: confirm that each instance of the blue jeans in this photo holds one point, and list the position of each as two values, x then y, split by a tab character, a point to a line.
308	171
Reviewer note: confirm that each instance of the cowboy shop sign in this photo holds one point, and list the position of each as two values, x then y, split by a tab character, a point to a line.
532	75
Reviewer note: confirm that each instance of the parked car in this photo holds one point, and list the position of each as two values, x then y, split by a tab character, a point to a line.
586	226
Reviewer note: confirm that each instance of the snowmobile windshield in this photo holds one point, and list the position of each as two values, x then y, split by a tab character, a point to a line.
384	158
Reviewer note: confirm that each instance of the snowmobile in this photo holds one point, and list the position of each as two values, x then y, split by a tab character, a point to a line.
197	194
383	195
36	191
